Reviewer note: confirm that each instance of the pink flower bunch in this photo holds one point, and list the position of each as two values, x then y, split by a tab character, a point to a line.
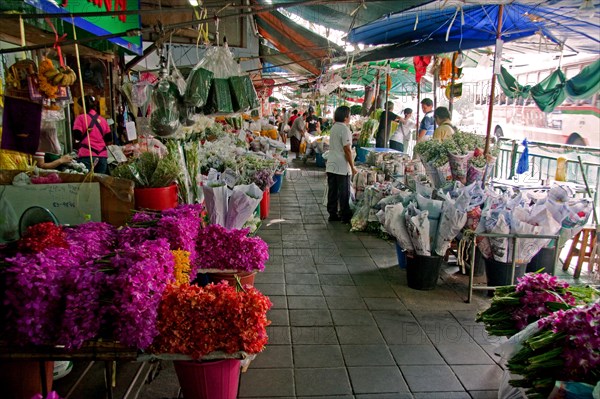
579	330
195	320
221	248
541	294
32	295
142	274
96	239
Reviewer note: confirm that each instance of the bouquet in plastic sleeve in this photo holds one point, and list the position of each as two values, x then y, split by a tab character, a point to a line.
417	224
562	346
534	297
150	170
242	203
452	220
216	199
395	224
434	211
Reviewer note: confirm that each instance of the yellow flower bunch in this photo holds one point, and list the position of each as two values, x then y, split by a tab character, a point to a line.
182	266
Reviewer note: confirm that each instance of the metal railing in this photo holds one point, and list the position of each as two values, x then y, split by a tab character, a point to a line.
543	161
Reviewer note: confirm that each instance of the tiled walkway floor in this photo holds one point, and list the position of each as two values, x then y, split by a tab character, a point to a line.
344	322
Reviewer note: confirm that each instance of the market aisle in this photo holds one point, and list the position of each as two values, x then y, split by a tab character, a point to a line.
344	322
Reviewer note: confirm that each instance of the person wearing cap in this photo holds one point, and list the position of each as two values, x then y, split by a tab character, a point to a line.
312	122
93	132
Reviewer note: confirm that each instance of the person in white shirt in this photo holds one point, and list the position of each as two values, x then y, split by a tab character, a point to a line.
340	166
402	136
283	126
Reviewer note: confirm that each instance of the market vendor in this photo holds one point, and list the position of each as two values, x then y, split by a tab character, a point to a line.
92	131
297	132
427	125
445	129
312	122
401	138
340	167
383	130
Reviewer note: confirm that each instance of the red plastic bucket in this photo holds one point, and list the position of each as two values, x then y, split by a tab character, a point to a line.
209	380
265	204
157	198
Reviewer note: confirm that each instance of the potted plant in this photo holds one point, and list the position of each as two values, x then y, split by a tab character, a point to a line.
154	177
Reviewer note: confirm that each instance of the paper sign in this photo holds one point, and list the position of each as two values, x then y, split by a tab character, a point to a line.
131	131
230	178
71	203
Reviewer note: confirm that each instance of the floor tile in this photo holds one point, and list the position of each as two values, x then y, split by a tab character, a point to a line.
314	335
484	394
416	354
279	301
303	289
397	395
269	278
274	356
367	355
384	304
300	268
336	302
279	335
404	333
479	377
271	289
443	395
376	379
376	291
281	383
332	268
302	317
306	302
335	279
300	278
359	335
278	317
341	291
352	317
314	356
430	378
322	381
464	354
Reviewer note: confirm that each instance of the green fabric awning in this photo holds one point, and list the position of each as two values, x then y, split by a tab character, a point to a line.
553	90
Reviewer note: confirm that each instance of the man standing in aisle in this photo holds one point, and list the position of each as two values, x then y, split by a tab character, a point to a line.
340	167
383	130
427	123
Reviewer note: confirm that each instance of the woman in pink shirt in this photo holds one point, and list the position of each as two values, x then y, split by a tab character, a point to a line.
93	132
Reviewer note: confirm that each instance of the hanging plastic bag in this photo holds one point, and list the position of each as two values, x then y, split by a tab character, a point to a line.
164	120
197	87
219	98
9	222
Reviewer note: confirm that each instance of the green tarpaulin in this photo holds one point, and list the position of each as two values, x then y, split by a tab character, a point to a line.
552	91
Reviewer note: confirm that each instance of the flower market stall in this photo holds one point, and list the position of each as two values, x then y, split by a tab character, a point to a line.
95	291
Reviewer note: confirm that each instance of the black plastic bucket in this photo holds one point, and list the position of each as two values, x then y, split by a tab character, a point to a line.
498	273
422	272
543	261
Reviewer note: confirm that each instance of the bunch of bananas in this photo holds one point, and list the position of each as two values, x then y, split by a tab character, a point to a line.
50	77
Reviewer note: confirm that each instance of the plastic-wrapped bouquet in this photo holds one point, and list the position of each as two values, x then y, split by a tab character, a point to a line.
534	297
566	346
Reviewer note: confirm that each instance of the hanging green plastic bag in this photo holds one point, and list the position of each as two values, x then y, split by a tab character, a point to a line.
251	92
198	87
239	93
164	120
219	98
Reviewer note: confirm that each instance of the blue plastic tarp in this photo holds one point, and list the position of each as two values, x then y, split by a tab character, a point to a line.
420	30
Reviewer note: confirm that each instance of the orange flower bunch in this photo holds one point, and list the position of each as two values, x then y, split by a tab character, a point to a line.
181	271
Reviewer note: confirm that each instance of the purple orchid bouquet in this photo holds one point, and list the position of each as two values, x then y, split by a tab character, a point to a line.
263	178
224	249
536	295
179	226
565	348
142	274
